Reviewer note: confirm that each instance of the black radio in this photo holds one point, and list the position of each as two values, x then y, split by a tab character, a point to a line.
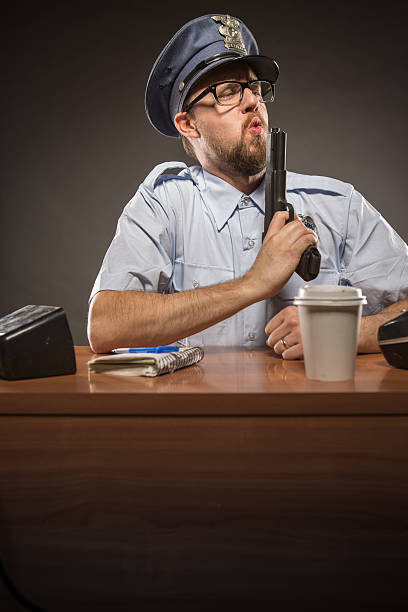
393	340
36	341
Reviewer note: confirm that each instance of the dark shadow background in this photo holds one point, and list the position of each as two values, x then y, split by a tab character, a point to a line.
76	141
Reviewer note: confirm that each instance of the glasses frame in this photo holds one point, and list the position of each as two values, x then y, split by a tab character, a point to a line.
244	85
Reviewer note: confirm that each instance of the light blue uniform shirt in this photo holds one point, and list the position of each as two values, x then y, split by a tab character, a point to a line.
189	230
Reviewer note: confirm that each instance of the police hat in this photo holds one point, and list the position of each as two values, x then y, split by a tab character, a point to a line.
198	47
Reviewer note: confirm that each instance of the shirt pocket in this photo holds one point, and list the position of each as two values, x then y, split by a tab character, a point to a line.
193	276
286	296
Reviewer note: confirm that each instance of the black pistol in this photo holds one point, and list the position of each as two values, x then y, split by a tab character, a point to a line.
275	199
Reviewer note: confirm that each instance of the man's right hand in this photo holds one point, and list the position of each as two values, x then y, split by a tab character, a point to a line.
280	254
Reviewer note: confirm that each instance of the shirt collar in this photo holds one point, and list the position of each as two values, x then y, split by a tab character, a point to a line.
222	198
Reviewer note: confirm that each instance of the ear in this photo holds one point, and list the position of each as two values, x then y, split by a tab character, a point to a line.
185	125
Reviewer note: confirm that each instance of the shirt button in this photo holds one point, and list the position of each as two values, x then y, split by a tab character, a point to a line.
251	243
251	336
196	284
246	201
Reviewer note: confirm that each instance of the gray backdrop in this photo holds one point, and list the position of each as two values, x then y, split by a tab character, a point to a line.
76	141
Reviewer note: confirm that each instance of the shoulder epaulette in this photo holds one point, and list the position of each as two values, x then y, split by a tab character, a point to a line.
166	171
317	184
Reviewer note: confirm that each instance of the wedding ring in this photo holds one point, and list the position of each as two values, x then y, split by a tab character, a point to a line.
285	344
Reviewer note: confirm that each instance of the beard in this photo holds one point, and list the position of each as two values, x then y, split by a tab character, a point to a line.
247	157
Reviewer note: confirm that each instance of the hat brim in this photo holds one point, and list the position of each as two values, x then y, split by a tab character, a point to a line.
264	67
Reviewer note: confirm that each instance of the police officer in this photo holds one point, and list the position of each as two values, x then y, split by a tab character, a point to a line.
187	262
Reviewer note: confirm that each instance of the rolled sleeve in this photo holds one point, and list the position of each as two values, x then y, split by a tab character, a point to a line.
375	258
141	253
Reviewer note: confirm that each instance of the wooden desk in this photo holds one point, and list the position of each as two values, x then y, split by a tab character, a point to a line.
233	480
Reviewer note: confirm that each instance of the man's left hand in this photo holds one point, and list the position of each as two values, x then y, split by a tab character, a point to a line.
285	326
284	333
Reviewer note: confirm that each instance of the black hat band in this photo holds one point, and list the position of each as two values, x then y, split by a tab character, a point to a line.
204	64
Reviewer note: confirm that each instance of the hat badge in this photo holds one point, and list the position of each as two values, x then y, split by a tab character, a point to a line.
229	28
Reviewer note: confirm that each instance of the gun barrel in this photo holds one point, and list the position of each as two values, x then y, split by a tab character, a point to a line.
279	145
275	177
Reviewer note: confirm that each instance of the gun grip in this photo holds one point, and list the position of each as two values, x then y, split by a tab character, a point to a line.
309	264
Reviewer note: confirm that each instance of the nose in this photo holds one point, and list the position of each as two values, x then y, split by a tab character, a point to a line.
250	101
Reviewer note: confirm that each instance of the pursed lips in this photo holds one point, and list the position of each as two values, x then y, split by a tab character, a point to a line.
255	125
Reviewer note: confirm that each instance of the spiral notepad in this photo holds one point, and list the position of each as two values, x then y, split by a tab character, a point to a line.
146	364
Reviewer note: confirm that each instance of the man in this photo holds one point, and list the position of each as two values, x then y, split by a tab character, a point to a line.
187	262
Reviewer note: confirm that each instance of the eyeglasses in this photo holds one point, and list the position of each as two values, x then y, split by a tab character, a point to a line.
230	93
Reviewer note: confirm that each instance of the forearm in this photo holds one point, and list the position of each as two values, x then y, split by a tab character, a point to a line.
369	326
138	318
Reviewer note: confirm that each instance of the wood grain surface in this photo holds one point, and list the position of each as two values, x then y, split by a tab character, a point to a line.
230	381
206	512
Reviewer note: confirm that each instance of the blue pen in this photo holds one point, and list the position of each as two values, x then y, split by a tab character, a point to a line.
148	349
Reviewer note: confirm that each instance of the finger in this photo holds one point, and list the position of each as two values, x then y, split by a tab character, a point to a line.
289	312
291	340
278	222
275	337
303	241
296	229
278	347
293	238
294	352
274	323
313	236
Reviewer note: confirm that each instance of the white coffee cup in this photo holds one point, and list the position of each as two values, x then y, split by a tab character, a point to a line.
330	317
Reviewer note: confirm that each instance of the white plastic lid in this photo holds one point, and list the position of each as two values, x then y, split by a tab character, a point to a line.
330	294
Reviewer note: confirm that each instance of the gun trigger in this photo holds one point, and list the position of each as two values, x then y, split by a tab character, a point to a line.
291	211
